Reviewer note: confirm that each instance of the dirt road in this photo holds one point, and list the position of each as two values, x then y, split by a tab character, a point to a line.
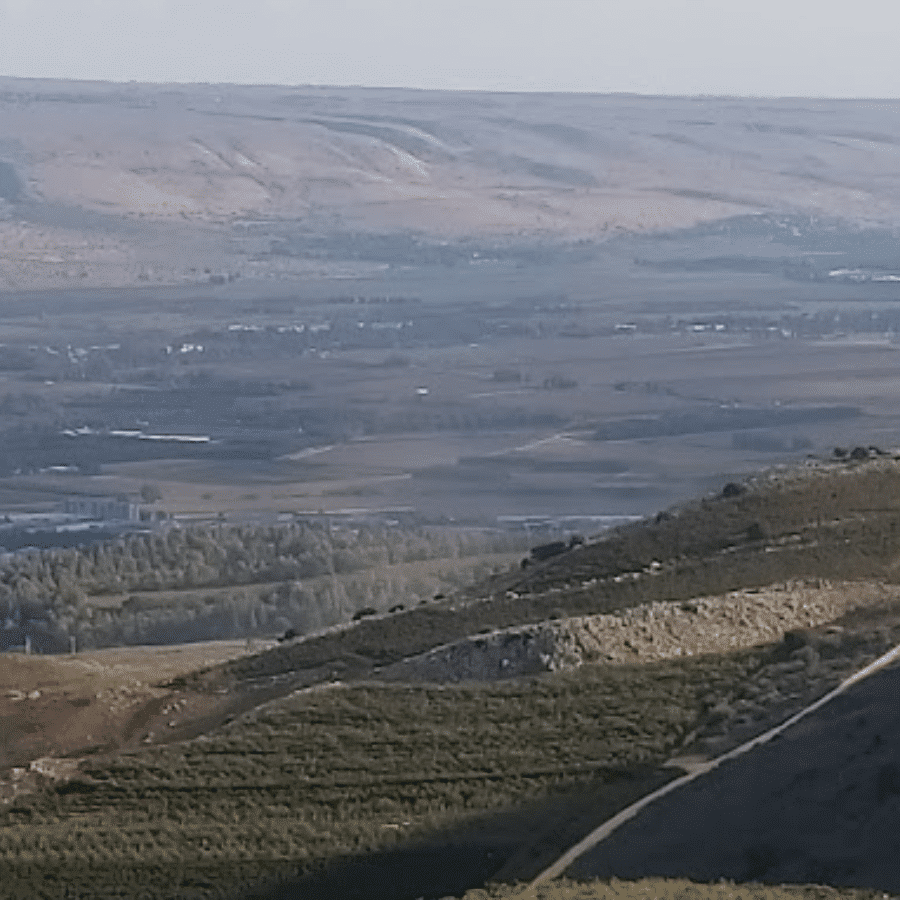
818	804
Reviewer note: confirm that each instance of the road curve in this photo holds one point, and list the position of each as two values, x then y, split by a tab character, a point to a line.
695	834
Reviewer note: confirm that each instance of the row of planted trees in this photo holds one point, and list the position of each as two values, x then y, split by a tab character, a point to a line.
237	581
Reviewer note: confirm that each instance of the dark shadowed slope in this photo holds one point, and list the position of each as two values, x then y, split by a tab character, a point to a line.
818	805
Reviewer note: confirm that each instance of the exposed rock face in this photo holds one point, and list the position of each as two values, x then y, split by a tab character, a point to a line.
643	633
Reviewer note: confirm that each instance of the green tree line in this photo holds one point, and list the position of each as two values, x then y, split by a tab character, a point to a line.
301	576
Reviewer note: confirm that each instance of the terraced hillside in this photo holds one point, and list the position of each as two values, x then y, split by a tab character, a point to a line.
831	521
324	768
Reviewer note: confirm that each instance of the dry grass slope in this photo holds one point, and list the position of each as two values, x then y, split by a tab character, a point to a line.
309	787
827	523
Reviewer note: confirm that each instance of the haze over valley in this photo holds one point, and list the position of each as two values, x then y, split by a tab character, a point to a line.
466	305
395	485
113	185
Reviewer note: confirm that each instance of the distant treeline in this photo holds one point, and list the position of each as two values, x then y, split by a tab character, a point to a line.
27	448
13	539
302	576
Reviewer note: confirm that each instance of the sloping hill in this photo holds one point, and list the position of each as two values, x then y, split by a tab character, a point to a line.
832	521
817	805
297	772
172	183
650	631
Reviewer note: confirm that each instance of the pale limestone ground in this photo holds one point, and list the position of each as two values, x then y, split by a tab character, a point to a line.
648	632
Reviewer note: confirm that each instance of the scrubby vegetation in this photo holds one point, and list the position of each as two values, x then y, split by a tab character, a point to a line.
834	523
342	771
347	783
338	791
668	889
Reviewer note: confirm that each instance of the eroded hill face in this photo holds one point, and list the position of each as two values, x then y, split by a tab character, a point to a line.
106	184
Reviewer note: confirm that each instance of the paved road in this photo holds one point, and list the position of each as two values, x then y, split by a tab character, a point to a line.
819	803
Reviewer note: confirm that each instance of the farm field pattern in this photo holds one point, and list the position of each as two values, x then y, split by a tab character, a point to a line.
596	260
352	352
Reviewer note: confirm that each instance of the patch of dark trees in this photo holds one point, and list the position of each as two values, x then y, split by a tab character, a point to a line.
543	552
27	449
13	539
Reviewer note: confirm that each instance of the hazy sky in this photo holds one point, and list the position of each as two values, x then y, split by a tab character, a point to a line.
834	48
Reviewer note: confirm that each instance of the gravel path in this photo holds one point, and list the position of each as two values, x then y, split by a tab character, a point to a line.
817	805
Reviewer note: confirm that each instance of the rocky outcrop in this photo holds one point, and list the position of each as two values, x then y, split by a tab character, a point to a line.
643	633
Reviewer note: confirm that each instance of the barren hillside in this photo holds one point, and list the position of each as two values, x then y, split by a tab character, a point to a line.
104	185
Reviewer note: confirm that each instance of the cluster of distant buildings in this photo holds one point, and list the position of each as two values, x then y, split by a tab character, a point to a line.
111	509
102	509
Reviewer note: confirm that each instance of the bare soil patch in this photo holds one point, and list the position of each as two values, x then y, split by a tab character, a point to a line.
69	705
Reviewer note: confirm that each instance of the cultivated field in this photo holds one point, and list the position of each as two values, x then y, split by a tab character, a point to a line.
267	268
296	771
501	776
349	354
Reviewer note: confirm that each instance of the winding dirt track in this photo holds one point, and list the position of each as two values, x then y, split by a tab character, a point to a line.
816	802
